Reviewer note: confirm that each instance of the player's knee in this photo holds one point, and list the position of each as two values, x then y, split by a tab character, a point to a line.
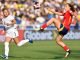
54	19
6	43
58	40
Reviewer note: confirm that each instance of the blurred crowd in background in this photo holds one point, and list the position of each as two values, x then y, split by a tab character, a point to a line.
30	12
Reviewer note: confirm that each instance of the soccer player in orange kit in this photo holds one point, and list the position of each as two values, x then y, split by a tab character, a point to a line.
62	27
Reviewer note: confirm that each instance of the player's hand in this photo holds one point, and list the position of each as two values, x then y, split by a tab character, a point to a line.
51	10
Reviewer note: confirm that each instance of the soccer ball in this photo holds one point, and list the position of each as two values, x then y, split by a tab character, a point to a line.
40	20
36	27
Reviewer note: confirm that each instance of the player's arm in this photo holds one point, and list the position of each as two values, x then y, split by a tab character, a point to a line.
58	13
12	22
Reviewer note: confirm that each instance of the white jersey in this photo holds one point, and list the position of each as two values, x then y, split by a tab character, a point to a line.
11	31
8	20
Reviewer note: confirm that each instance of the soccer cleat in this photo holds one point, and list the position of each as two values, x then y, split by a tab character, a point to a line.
4	57
31	41
67	53
41	30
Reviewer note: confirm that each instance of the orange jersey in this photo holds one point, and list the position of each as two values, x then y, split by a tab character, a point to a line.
67	20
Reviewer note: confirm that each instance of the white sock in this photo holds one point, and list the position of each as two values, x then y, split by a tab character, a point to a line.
22	42
6	44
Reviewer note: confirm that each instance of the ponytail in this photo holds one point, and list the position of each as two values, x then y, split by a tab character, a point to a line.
71	7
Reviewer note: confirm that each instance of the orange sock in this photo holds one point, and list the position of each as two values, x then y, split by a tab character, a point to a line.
44	26
66	48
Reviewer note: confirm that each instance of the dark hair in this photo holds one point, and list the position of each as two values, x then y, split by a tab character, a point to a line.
71	7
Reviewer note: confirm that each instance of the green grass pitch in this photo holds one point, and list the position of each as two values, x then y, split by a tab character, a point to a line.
43	50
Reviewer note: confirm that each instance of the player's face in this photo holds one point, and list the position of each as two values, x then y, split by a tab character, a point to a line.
6	13
67	7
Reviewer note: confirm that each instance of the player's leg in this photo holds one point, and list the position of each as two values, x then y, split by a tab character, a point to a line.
63	45
60	42
22	42
6	48
58	24
52	20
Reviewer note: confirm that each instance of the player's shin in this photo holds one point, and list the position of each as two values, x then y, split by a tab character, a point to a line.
44	26
66	48
22	42
48	23
68	51
6	44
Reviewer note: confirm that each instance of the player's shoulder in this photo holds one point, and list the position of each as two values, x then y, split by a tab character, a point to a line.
11	16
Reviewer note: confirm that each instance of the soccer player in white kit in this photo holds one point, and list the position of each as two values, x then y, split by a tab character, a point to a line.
11	32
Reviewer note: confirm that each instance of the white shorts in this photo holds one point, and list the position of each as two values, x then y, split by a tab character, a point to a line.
12	33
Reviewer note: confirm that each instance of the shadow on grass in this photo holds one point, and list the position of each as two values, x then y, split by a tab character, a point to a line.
60	53
27	57
56	55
